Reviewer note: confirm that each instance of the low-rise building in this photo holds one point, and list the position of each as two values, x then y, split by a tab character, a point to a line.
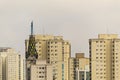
41	71
79	67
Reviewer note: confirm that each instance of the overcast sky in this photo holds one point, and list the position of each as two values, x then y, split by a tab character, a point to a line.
75	20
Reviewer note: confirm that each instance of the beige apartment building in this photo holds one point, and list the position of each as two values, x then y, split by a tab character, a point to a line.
11	64
79	67
55	51
41	71
105	57
72	68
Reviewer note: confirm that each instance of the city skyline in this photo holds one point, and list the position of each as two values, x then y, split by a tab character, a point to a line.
70	19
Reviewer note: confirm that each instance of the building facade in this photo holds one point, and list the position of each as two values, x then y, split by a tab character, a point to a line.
105	57
83	73
72	68
55	51
79	67
12	65
41	71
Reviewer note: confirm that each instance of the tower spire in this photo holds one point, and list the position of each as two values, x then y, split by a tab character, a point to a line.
32	28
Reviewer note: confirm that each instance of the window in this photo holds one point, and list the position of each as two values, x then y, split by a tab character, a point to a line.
100	49
100	45
113	49
42	67
51	50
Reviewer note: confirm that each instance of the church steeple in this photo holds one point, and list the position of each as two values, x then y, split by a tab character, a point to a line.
31	45
32	28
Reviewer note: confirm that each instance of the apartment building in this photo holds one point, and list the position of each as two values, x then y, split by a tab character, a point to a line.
105	57
55	51
41	71
11	64
79	67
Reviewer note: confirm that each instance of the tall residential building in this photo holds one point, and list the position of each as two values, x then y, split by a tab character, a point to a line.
66	56
79	67
105	57
41	71
72	69
11	64
55	51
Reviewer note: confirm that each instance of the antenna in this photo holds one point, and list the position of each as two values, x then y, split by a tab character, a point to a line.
107	30
43	30
32	28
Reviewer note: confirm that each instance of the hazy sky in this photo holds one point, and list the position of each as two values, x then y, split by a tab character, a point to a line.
75	20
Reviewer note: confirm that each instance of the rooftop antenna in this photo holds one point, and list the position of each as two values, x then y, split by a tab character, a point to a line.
107	30
32	28
43	30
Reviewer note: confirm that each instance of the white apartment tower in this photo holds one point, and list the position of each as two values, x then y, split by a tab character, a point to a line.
11	64
105	57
